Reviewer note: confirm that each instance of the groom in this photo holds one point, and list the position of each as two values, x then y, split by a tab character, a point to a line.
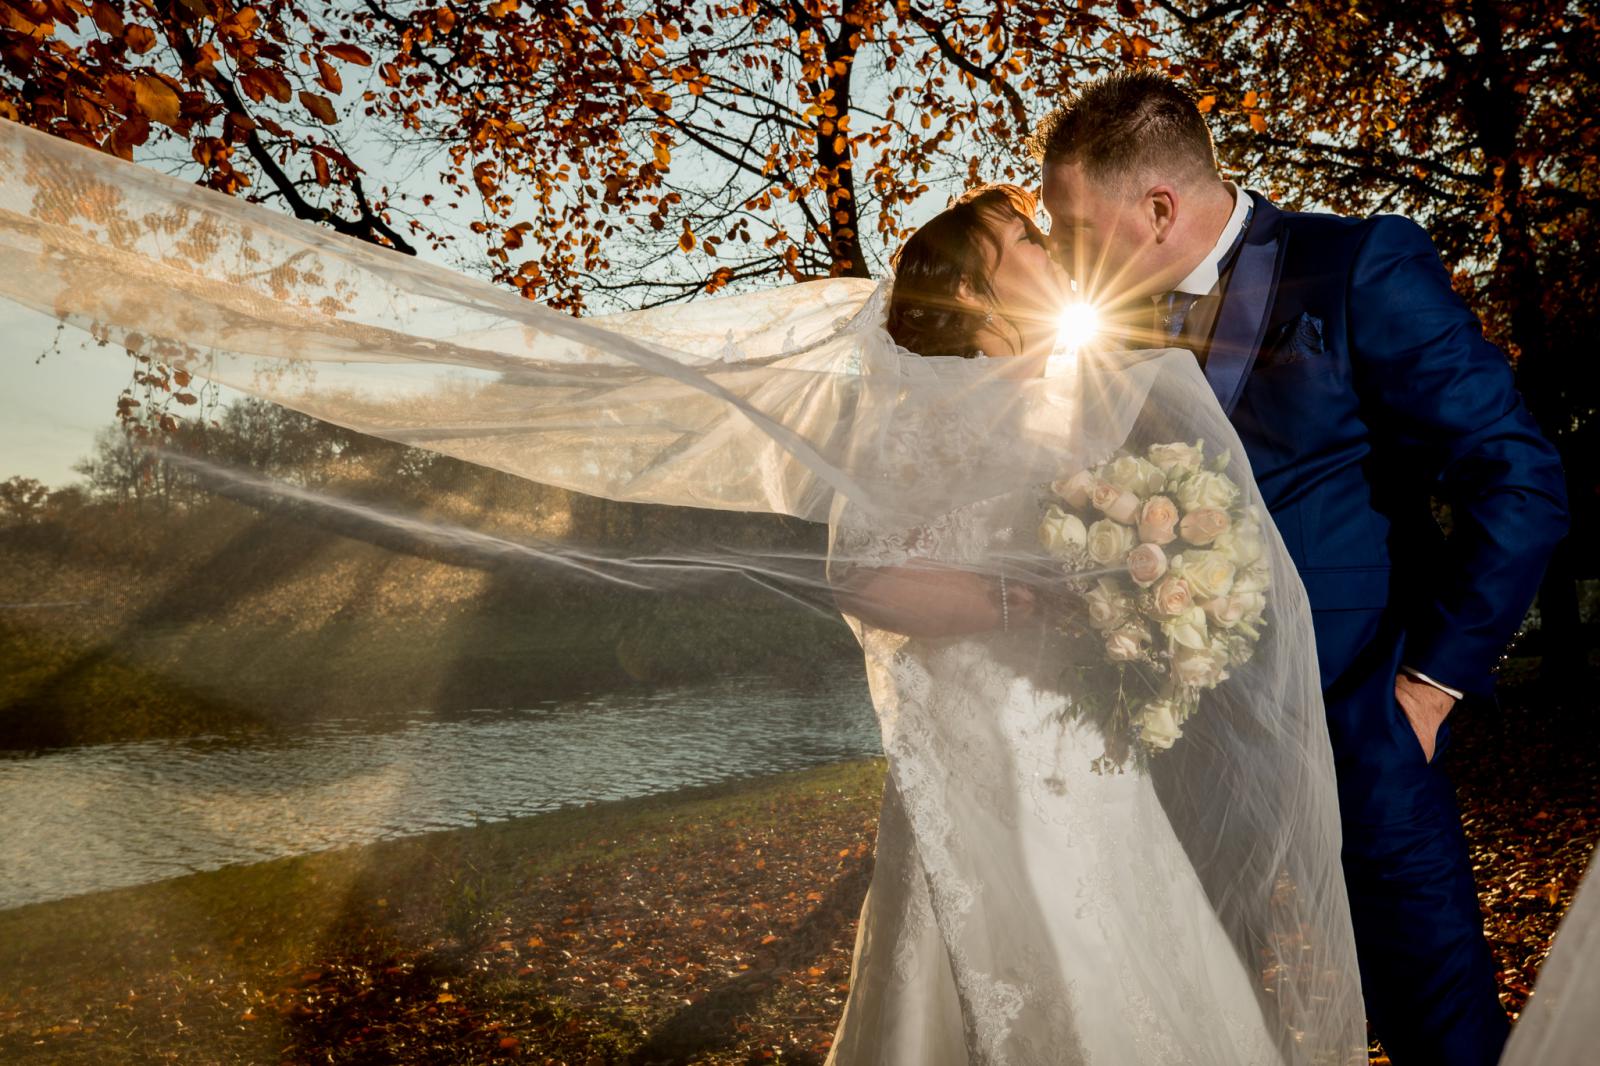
1361	386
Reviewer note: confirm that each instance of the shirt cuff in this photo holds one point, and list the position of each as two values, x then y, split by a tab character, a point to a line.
1425	679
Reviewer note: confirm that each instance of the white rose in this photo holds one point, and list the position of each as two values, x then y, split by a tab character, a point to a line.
1108	607
1177	458
1204	526
1127	644
1109	542
1138	476
1225	611
1252	578
1172	597
1209	574
1115	502
1158	724
1242	546
1146	564
1158	521
1200	667
1205	488
1061	533
1187	630
1254	605
1075	490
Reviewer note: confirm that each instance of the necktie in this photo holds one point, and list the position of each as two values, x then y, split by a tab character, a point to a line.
1171	310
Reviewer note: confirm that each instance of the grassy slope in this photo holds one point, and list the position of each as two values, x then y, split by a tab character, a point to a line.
250	623
527	936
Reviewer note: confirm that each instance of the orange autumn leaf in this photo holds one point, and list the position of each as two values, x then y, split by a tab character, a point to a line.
320	107
156	99
328	74
350	54
261	82
107	18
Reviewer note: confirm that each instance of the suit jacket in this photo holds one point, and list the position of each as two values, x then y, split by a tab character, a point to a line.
1361	386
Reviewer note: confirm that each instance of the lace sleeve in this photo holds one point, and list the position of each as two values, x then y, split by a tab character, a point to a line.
959	538
859	543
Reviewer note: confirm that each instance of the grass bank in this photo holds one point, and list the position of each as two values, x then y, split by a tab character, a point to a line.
80	684
713	924
226	619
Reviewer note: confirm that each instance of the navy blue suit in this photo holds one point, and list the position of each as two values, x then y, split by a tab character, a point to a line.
1361	385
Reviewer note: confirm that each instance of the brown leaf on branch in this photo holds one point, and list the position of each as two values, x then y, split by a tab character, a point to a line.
350	54
140	39
328	75
157	100
320	107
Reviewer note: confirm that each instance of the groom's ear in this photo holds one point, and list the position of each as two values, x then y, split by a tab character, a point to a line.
1160	210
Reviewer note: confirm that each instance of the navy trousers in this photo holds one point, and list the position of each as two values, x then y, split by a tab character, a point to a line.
1426	971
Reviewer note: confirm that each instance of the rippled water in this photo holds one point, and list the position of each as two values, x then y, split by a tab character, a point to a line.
82	819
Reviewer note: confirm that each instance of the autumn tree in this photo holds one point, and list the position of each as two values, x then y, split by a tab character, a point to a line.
652	152
22	500
247	92
245	99
1475	117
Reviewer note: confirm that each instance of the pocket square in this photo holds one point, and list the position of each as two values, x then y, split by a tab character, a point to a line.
1295	341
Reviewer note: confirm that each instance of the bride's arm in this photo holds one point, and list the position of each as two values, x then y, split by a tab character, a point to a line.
927	600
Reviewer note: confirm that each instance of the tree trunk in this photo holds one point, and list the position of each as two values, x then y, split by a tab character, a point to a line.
1497	106
844	230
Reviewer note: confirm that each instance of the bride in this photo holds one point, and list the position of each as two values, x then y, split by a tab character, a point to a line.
1029	903
1110	832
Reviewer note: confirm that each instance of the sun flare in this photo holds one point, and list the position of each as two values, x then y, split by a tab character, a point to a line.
1078	325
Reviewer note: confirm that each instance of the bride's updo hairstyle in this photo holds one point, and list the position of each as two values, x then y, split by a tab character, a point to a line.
927	313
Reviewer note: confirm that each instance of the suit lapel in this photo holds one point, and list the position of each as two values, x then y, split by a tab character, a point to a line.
1198	327
1246	303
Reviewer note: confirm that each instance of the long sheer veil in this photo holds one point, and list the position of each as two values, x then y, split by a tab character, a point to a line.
1558	1026
791	401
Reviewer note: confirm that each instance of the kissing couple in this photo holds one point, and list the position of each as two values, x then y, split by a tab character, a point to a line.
1337	361
1163	641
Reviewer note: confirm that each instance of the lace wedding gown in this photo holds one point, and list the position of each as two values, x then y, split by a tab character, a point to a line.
1024	908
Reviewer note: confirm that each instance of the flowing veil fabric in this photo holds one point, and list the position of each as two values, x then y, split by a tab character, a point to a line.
1558	1027
791	401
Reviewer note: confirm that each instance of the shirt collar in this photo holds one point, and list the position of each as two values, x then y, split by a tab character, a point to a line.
1203	278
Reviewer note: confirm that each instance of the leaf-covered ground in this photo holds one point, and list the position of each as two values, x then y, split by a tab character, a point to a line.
710	926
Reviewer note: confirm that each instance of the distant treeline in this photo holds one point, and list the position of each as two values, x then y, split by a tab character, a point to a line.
208	586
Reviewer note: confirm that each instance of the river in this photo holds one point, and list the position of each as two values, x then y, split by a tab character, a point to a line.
77	820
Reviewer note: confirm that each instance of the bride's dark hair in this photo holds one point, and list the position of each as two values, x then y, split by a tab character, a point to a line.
926	312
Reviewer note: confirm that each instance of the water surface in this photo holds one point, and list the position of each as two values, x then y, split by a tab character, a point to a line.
77	820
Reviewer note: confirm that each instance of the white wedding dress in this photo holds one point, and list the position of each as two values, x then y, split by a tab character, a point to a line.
1024	908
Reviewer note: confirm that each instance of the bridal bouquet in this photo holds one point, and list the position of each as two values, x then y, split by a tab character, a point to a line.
1168	566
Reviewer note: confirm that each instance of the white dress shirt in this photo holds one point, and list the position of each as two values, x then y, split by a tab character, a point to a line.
1203	278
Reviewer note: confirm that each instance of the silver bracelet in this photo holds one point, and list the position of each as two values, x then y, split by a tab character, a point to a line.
1005	607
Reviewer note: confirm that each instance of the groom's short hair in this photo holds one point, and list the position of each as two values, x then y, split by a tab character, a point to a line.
1125	124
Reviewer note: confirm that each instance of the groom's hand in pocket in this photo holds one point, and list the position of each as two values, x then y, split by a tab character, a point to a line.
1426	708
